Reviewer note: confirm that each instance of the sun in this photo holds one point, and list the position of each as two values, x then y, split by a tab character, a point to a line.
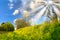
49	2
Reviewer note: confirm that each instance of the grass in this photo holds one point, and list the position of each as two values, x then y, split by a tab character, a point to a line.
45	31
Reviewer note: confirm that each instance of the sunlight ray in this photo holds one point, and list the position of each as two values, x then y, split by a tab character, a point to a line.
37	10
56	10
39	15
57	4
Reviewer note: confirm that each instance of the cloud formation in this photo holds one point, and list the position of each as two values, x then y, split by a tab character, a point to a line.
33	9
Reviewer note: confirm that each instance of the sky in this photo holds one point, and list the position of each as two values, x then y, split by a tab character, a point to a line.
6	14
31	9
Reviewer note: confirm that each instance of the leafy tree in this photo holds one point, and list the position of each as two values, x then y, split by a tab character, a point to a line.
1	28
7	27
2	23
21	23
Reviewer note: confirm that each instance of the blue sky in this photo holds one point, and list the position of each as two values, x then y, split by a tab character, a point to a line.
6	13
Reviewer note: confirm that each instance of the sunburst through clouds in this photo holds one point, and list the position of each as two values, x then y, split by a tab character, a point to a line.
33	10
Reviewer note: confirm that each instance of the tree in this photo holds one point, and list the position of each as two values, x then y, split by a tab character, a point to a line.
7	27
2	23
20	23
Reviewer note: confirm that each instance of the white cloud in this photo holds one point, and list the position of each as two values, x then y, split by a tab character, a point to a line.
32	5
26	13
10	6
16	12
11	0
